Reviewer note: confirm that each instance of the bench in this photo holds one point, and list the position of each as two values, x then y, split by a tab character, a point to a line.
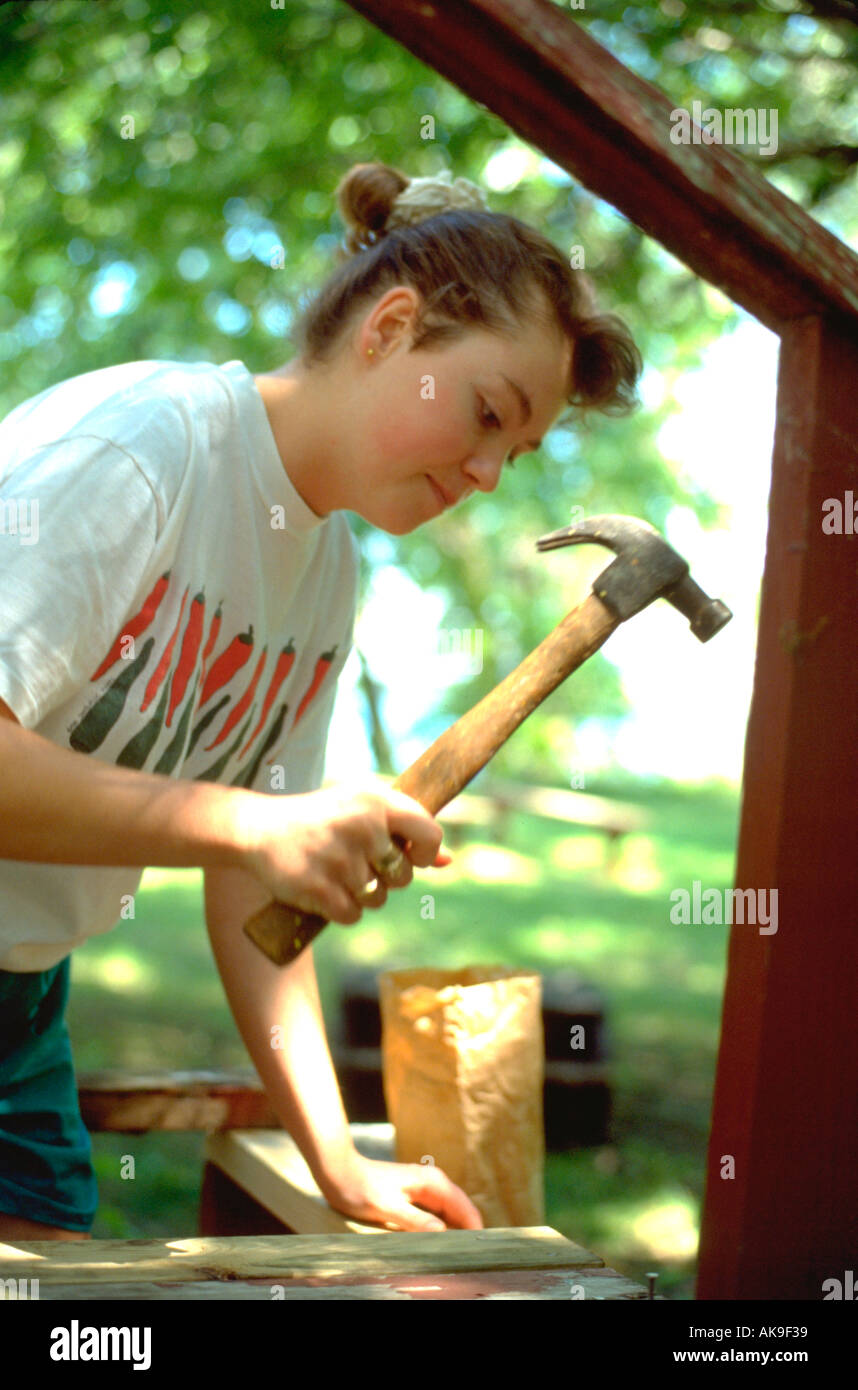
492	809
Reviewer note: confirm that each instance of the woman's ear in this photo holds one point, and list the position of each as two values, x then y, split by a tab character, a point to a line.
390	321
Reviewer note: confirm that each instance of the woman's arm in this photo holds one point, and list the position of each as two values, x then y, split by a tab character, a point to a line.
58	806
311	849
279	1015
278	1005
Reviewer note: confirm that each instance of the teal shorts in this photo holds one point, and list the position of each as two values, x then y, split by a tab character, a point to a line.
46	1171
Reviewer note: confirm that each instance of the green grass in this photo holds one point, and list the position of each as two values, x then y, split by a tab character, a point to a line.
147	996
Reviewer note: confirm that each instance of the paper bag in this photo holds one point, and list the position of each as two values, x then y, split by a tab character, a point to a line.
463	1057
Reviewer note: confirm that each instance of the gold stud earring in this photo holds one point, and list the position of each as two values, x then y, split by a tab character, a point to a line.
370	351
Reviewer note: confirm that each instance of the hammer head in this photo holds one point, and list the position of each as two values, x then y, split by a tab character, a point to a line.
646	568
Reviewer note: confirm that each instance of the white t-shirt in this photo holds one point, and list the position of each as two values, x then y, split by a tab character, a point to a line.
149	501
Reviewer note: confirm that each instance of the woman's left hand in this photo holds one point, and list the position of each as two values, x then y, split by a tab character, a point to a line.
389	1193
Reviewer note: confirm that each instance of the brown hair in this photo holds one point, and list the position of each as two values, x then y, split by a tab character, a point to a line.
473	269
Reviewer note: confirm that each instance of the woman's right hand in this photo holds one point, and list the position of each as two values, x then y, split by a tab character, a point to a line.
315	851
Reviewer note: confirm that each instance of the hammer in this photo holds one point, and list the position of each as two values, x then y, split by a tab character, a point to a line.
646	568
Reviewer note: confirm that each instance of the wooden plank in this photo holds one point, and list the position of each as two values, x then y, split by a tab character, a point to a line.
786	1089
241	1292
288	1257
560	90
134	1103
554	803
604	1285
578	808
269	1165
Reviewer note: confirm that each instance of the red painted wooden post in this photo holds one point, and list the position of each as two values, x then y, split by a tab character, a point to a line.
786	1094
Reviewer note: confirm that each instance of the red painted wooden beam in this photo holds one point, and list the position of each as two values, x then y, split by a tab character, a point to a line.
530	63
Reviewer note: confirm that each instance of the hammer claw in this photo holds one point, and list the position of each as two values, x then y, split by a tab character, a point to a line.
646	568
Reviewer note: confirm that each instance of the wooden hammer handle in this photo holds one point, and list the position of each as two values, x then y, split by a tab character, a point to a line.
282	932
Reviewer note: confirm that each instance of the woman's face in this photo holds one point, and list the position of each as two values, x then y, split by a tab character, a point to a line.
444	419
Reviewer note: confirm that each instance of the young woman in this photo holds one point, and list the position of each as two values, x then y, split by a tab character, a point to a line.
177	599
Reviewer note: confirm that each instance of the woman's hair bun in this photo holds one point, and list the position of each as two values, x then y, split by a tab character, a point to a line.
365	197
474	270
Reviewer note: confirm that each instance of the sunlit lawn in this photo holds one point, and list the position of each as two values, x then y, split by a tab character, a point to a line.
147	996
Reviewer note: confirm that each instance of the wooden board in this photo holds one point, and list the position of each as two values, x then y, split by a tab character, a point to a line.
269	1165
205	1258
531	1263
492	1285
135	1103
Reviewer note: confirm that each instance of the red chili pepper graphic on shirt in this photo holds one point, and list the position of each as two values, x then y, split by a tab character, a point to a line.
213	632
242	704
188	657
228	663
322	666
164	664
135	625
281	671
